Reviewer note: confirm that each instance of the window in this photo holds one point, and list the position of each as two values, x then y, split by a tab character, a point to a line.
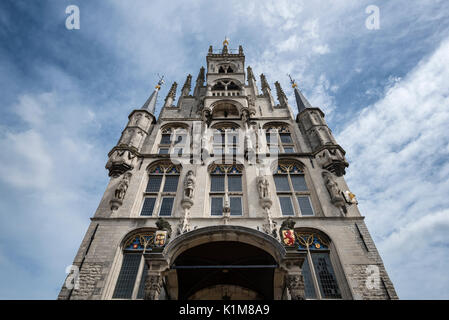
161	190
131	279
226	141
173	141
279	139
292	190
320	281
226	189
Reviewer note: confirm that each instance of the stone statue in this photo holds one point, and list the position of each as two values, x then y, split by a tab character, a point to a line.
189	185
333	189
263	187
122	186
120	191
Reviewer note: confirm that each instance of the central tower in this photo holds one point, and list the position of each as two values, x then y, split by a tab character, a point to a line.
226	195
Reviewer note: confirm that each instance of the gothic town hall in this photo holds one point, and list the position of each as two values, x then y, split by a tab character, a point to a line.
227	195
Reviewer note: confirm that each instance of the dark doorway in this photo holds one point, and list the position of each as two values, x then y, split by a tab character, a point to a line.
225	264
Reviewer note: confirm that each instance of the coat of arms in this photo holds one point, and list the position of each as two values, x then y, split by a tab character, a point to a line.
288	236
160	238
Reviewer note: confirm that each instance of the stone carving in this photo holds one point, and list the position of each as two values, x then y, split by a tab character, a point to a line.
282	98
120	191
263	187
350	197
120	162
295	285
153	286
189	186
163	224
245	117
332	160
334	191
206	117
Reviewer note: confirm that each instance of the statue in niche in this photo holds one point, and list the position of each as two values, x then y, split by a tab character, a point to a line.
263	187
334	191
189	185
120	192
122	187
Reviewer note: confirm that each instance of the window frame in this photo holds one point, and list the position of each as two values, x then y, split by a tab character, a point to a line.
174	147
289	170
226	172
279	130
164	171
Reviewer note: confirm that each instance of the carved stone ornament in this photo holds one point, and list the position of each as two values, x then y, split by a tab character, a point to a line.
164	225
333	189
120	161
189	187
153	286
332	160
287	232
295	285
120	191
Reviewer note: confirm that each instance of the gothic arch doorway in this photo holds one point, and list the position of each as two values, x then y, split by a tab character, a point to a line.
225	262
225	270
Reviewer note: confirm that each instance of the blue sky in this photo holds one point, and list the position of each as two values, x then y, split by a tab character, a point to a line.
66	94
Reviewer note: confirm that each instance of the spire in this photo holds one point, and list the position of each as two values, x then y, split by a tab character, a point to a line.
250	73
150	104
186	87
172	92
200	79
265	84
301	101
282	98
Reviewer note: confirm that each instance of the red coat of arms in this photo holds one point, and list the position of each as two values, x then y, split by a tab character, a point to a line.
288	236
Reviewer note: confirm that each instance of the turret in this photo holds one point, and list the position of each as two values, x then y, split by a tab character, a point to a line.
328	153
123	156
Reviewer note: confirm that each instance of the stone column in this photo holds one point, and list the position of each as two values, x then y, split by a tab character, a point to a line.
153	285
294	280
295	285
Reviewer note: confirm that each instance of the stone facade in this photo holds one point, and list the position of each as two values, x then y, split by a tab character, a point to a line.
227	97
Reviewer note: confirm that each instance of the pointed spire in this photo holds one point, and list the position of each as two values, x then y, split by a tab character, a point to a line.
187	85
200	79
301	101
172	93
265	84
282	98
150	104
240	50
250	73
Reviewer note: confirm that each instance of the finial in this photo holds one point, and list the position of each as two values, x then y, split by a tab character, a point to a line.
160	82
226	41
294	85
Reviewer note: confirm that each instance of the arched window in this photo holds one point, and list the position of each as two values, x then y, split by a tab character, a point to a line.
226	189
229	70
320	281
160	193
279	139
131	279
292	191
221	70
173	140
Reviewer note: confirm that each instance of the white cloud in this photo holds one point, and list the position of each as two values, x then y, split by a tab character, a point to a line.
398	151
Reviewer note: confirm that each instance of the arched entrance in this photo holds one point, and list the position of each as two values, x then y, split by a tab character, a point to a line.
225	262
225	270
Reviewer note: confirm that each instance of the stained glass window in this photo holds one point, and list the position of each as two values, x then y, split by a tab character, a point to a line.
325	275
166	206
236	206
309	289
216	206
290	181
148	206
127	276
161	189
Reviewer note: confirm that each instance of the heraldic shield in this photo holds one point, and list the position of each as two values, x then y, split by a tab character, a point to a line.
160	238
288	236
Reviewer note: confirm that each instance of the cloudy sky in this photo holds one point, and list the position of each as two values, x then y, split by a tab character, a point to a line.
66	94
